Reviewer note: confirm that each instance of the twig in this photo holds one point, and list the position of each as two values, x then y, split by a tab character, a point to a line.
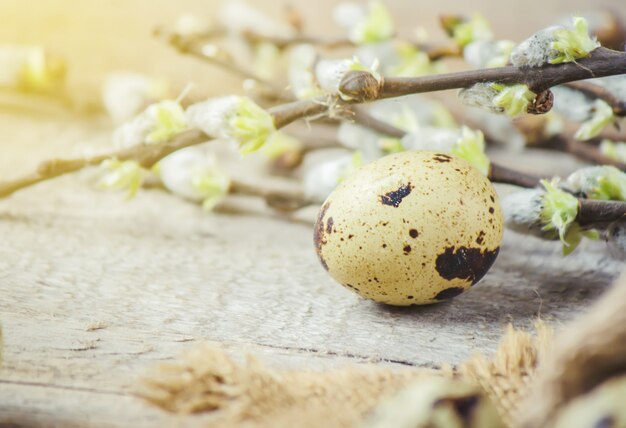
583	150
497	173
146	155
361	87
600	92
193	46
501	174
592	212
361	117
282	200
600	63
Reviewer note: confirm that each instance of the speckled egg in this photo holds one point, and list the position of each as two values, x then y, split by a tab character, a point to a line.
415	227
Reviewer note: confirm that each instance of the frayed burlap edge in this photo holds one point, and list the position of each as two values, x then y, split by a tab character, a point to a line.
589	352
207	379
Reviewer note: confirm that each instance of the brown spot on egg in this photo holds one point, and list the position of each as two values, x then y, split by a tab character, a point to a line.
491	210
394	198
449	293
481	237
407	249
329	225
440	157
465	263
413	233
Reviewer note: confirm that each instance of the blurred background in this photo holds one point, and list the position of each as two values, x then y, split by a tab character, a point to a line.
96	38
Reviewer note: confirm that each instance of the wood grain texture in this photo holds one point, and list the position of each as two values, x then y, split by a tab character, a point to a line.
94	290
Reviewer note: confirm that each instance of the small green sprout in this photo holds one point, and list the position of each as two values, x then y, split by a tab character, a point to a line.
615	150
251	126
233	117
212	184
121	175
558	214
512	99
280	143
38	71
471	147
502	55
599	182
169	119
412	62
391	145
355	163
573	44
377	26
470	30
266	60
601	118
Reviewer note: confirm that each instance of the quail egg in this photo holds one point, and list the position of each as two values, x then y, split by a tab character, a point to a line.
415	227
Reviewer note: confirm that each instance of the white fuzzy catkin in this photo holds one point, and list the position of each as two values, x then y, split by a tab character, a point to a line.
239	17
522	211
135	131
535	50
321	178
300	73
178	170
382	52
188	24
329	73
347	13
480	95
429	138
615	236
357	137
423	109
126	94
500	129
212	116
572	104
581	181
481	53
615	84
12	61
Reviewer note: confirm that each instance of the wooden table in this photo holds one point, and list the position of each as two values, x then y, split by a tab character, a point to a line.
94	290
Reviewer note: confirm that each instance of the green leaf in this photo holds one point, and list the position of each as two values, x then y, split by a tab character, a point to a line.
377	26
121	175
170	121
601	118
251	126
471	147
513	99
573	44
475	28
559	210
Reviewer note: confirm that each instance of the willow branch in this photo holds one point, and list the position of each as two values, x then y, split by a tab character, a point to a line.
146	155
600	63
592	212
497	173
600	92
282	200
193	46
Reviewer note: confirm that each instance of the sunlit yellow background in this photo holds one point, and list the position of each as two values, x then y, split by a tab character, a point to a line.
97	36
